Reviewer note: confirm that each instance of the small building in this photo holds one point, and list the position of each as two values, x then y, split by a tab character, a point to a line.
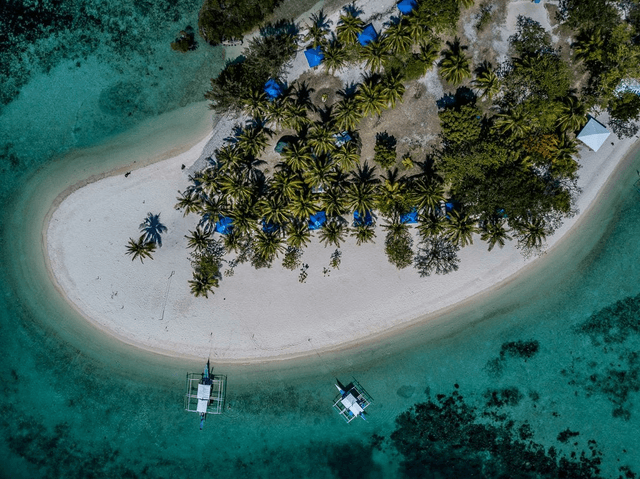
314	56
351	401
593	134
205	394
367	35
273	89
406	6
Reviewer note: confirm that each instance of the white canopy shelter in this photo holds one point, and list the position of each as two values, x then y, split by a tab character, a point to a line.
593	135
204	394
351	404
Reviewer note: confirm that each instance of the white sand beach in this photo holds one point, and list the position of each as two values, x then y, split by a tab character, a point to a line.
257	315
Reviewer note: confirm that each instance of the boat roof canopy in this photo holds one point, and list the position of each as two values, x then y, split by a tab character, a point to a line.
204	394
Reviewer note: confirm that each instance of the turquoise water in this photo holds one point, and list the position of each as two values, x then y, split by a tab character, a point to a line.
78	404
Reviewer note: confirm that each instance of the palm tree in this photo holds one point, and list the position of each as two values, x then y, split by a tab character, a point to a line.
430	224
202	284
346	114
255	102
319	172
333	202
235	187
297	156
303	205
188	202
375	55
487	80
590	45
268	245
398	38
417	29
465	3
426	195
321	139
153	229
532	232
349	27
494	232
286	183
228	156
317	29
455	64
371	99
198	239
274	209
277	112
429	50
515	122
298	233
392	197
392	87
253	140
459	228
295	117
335	56
333	232
346	156
573	114
363	233
140	249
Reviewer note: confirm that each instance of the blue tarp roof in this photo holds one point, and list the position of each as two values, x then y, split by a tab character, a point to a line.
224	225
406	6
367	35
314	56
410	217
358	220
449	206
342	138
316	221
269	227
273	89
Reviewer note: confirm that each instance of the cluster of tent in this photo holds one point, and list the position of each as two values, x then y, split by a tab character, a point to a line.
367	35
316	221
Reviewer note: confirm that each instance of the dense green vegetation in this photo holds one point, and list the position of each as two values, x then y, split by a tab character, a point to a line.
230	19
504	164
450	438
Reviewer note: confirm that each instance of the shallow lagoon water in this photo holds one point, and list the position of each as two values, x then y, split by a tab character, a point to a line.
77	403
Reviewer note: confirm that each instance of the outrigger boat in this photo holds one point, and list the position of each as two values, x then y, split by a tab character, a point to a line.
351	401
205	393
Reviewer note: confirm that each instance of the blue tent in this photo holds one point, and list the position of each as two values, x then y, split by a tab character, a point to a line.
410	217
273	89
224	225
269	227
314	56
367	35
358	220
406	6
316	221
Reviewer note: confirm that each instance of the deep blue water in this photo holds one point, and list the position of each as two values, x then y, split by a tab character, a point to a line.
77	404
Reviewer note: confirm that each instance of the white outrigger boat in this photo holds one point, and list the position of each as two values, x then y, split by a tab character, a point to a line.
205	393
351	401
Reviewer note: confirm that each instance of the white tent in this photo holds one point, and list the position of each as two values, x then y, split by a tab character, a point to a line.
593	135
